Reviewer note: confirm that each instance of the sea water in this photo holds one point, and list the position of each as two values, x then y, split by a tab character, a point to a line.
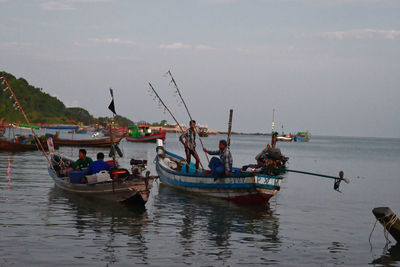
307	223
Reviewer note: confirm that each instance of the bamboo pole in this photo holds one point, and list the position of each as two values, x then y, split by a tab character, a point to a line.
37	140
190	116
173	117
230	127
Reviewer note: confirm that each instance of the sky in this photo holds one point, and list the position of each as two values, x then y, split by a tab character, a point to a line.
327	66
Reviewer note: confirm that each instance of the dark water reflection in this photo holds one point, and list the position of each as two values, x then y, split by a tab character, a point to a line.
390	258
308	223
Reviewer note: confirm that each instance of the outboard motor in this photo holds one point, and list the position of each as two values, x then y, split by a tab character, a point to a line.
138	166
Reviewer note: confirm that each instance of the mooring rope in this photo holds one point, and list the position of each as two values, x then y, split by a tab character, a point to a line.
388	224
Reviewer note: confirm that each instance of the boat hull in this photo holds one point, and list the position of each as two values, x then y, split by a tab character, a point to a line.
244	188
6	145
135	189
102	142
149	138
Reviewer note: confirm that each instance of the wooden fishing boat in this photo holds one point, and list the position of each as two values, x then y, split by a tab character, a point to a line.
12	146
117	131
100	142
117	185
240	187
141	133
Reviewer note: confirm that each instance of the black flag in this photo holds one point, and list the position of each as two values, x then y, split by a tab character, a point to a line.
111	106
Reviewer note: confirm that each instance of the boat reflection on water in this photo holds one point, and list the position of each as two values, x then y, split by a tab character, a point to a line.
175	229
222	224
101	224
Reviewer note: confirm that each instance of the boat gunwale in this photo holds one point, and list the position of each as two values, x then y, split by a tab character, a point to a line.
209	175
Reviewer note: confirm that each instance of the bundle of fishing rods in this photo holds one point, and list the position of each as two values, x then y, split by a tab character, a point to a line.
161	104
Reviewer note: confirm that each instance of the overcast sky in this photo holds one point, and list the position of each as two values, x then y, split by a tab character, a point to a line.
329	66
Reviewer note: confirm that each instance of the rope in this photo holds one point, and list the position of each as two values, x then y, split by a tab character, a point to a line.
386	227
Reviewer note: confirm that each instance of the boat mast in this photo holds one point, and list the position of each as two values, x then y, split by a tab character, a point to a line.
273	119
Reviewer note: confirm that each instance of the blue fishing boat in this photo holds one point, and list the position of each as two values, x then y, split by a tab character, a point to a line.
302	137
240	187
61	127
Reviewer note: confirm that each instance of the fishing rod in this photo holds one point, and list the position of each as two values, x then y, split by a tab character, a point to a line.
190	116
169	111
337	179
36	138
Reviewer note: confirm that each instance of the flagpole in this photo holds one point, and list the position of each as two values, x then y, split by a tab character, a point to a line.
112	108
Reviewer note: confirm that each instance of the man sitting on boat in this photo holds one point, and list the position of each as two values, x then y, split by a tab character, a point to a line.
98	165
223	165
83	161
190	145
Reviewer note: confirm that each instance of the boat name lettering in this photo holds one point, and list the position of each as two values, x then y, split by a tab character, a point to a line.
265	180
239	180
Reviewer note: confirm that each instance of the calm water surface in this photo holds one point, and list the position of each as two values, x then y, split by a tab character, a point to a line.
308	224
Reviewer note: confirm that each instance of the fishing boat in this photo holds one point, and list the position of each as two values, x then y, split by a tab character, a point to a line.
240	187
117	185
100	142
142	133
302	137
61	127
285	138
2	130
117	131
13	145
27	126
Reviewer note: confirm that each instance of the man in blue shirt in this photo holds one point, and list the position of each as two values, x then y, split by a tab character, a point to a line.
98	165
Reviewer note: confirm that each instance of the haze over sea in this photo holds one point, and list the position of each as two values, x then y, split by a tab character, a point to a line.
308	224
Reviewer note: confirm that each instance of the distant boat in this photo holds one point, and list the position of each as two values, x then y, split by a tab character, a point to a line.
15	146
302	137
117	131
117	185
78	131
285	138
2	129
240	187
142	133
61	127
27	126
100	142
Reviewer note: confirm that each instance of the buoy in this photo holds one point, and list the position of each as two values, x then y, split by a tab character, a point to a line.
389	220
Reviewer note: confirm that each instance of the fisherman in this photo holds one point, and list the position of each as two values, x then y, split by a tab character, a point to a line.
190	145
83	161
271	157
98	165
223	165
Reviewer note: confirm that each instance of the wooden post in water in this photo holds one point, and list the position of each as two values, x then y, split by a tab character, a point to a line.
229	127
389	220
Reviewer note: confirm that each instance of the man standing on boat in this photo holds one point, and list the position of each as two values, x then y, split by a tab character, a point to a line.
188	140
223	165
